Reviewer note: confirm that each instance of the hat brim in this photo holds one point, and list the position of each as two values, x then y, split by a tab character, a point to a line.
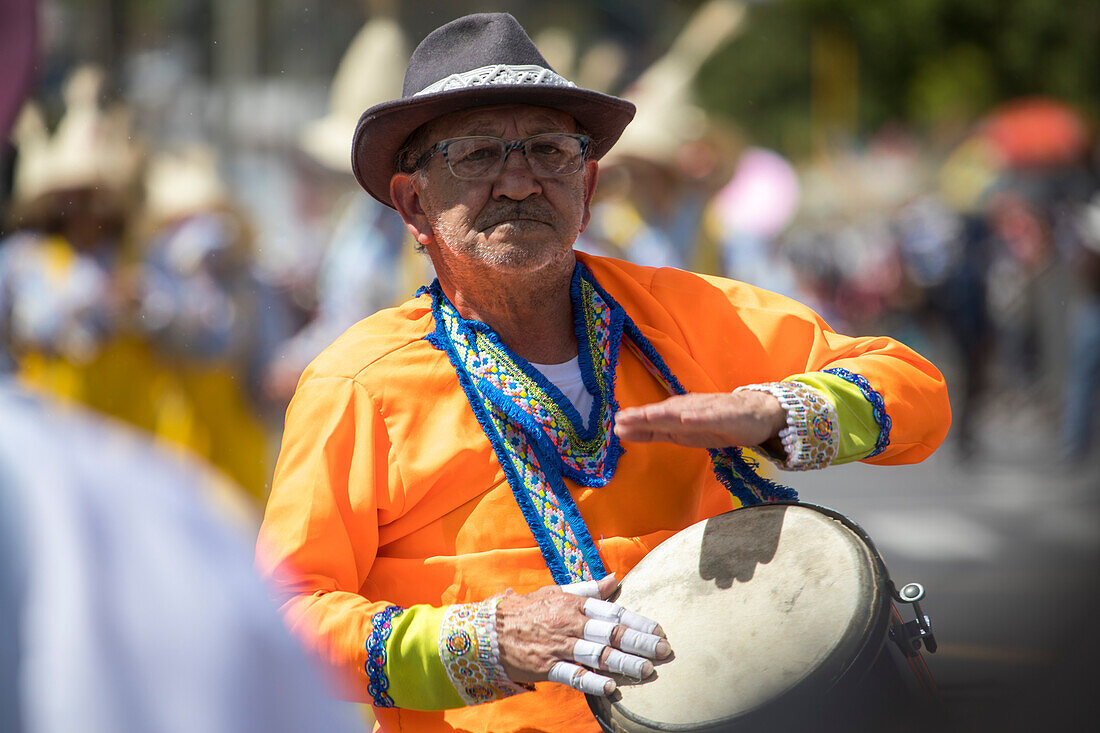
383	129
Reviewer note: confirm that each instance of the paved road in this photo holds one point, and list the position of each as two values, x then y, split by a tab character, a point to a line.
1008	548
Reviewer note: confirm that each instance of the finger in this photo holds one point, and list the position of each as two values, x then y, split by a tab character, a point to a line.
672	425
587	588
628	664
598	631
646	645
608	584
579	678
676	413
588	652
631	641
599	656
591	588
636	434
655	412
606	611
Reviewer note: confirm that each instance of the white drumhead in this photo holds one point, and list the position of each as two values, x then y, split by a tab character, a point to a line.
755	603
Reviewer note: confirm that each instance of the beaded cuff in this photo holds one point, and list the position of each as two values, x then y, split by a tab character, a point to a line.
379	684
810	438
468	648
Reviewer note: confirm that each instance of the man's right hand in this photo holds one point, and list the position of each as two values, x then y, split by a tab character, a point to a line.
546	634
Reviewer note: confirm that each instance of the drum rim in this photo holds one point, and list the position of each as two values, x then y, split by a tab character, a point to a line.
851	674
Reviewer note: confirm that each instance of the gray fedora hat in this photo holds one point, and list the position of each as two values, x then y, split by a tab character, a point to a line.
475	61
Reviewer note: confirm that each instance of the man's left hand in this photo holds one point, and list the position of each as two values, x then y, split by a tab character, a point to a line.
705	420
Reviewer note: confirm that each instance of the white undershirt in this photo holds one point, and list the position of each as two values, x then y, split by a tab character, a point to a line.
567	378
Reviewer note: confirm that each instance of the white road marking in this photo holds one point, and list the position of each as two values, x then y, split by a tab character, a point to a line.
931	535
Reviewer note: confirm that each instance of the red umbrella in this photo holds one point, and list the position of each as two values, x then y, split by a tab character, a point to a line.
1036	132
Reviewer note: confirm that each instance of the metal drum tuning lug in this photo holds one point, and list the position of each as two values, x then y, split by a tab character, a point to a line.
911	635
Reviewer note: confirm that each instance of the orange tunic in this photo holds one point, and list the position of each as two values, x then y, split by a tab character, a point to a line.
388	492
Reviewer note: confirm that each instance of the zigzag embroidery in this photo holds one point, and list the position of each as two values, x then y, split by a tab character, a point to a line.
537	435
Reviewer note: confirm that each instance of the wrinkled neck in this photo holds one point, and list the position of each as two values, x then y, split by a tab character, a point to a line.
532	313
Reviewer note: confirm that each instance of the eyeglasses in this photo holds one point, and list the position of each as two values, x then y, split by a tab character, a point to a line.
473	158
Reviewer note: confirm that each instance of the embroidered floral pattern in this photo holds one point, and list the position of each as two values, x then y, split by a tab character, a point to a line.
878	407
810	438
379	685
469	651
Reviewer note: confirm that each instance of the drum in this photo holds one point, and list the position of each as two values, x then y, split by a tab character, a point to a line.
777	615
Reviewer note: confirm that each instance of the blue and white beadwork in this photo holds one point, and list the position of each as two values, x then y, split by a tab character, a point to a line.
878	407
810	438
470	654
537	434
379	685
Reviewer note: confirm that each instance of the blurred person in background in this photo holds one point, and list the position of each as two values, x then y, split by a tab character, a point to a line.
128	601
1083	383
212	323
126	606
962	301
1022	251
369	261
63	305
751	211
660	177
947	258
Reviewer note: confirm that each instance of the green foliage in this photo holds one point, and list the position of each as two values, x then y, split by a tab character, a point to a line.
925	62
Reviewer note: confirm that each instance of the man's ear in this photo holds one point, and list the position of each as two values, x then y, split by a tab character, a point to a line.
405	194
591	173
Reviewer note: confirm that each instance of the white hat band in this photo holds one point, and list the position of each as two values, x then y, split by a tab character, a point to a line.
498	74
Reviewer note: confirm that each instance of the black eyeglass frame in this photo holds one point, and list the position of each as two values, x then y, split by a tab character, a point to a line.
509	146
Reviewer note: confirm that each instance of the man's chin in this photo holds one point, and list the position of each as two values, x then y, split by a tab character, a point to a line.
527	258
515	226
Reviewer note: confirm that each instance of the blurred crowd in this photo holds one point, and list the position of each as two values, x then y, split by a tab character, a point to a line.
135	280
178	283
132	281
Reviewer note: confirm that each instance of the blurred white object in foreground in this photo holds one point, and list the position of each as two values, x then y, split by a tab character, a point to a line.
125	605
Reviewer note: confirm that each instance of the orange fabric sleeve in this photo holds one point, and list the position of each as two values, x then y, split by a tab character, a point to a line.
312	552
769	337
739	334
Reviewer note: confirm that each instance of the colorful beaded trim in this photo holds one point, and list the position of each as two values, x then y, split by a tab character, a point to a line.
810	438
878	407
536	432
539	438
379	684
468	649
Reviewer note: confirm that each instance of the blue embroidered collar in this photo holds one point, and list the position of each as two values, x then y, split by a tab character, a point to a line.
537	434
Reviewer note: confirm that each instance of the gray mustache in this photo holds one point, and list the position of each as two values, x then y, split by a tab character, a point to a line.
518	210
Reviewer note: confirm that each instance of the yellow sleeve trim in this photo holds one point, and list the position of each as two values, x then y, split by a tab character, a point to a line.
856	426
441	658
417	679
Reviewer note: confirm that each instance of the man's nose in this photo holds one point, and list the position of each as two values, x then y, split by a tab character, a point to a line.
516	180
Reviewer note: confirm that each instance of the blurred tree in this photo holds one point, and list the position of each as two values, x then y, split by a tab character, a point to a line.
927	62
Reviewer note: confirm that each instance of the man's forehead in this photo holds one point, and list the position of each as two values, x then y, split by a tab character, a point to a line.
494	120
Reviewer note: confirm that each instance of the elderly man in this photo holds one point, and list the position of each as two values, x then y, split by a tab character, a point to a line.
453	477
